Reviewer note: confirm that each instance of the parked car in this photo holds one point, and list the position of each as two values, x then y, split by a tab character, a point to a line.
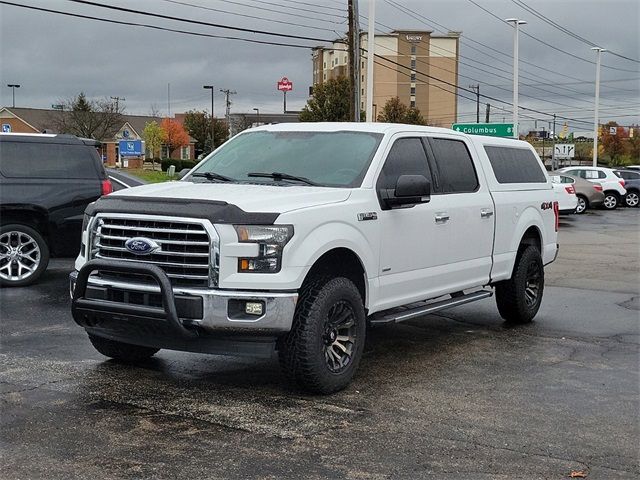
613	186
46	182
632	184
632	167
300	237
121	180
589	194
565	195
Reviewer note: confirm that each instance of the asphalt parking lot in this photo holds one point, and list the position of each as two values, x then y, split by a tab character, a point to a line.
453	395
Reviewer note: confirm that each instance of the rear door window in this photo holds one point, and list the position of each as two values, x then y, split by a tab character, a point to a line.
515	165
47	160
455	170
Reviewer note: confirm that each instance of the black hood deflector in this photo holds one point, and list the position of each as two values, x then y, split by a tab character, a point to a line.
213	210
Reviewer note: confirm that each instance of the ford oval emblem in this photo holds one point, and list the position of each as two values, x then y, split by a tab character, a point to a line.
141	246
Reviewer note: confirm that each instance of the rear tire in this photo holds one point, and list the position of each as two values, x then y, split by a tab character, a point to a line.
24	255
611	200
322	351
583	204
519	298
124	352
632	199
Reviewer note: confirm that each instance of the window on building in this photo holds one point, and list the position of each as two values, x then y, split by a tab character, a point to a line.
413	77
413	49
413	90
412	104
413	63
456	173
185	153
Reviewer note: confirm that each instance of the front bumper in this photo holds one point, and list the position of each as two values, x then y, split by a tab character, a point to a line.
159	315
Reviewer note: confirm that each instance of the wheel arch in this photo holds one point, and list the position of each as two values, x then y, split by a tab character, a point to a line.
31	216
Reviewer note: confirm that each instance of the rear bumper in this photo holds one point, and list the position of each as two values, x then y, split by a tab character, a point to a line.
177	318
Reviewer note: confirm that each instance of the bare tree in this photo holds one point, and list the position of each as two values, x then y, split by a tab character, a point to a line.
96	119
154	111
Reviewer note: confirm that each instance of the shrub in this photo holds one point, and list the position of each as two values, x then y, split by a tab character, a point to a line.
179	164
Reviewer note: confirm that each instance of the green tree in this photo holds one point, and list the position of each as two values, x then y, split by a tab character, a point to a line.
329	102
96	119
153	135
394	111
198	125
613	144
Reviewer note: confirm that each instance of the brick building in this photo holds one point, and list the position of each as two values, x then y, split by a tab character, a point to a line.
37	120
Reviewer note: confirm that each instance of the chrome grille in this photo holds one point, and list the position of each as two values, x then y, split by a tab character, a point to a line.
184	253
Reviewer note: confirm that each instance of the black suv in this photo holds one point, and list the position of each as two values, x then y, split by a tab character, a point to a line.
46	182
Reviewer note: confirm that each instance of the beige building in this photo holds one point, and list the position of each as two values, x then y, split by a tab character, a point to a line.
404	59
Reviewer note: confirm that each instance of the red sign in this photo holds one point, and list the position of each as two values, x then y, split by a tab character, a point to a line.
285	85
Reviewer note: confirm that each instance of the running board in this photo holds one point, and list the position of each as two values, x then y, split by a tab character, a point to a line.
402	314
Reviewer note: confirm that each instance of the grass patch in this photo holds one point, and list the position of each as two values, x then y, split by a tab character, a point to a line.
149	176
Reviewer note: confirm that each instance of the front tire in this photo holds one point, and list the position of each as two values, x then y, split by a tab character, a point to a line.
519	298
24	255
124	352
611	200
322	351
632	199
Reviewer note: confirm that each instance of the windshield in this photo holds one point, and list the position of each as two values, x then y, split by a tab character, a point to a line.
334	159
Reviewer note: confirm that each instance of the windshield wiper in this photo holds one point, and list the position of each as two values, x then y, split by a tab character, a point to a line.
282	176
213	176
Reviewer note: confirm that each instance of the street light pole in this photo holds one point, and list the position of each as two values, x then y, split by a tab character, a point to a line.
13	87
213	135
258	116
371	51
596	120
516	24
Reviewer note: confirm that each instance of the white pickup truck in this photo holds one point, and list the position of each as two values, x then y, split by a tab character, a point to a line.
300	237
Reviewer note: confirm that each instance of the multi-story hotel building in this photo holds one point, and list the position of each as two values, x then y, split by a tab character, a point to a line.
416	66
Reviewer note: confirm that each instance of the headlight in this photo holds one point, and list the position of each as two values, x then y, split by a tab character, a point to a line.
86	219
271	239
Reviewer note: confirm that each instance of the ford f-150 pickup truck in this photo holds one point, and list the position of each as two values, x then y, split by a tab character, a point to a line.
297	238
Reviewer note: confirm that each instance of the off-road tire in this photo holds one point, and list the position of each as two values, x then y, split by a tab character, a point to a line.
124	352
302	351
512	294
42	257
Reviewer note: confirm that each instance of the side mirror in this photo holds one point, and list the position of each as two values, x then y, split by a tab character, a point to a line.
410	190
183	172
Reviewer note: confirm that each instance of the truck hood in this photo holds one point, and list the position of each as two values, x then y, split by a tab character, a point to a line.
248	197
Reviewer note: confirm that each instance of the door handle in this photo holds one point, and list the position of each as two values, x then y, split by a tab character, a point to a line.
486	213
442	217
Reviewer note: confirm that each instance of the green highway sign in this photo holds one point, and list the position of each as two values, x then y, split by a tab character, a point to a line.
490	129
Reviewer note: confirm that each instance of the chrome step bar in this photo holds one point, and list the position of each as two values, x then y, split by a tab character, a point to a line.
402	314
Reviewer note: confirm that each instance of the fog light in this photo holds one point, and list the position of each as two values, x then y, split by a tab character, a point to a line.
253	308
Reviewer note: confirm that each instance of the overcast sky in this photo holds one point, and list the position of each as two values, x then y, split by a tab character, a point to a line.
54	57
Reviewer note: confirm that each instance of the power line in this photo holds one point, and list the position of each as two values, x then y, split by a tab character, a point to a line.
565	30
153	27
281	12
197	22
578	57
284	22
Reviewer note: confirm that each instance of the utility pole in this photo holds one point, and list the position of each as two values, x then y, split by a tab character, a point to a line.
213	118
354	61
487	112
476	89
553	151
117	99
516	31
13	87
371	50
596	126
227	92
